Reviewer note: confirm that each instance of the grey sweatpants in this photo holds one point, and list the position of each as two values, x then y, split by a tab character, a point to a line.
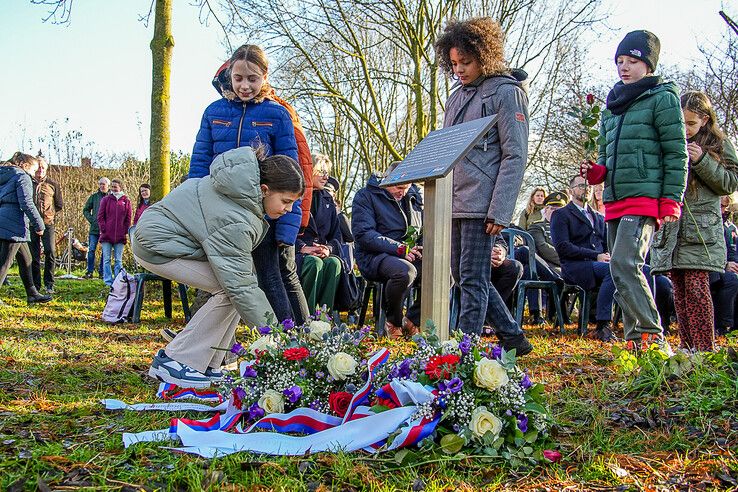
629	239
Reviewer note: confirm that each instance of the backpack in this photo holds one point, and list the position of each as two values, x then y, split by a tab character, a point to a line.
350	292
119	306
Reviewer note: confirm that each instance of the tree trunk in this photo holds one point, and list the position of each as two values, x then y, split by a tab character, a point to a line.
161	50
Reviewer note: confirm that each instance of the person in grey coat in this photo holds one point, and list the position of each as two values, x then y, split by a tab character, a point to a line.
487	181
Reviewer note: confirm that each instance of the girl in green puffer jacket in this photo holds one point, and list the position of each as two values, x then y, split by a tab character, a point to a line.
693	247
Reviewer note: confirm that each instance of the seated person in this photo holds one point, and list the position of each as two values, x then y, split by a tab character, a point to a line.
664	297
724	285
541	233
578	234
380	220
332	187
317	262
506	272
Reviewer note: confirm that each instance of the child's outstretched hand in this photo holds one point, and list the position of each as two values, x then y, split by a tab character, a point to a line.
694	151
584	167
670	218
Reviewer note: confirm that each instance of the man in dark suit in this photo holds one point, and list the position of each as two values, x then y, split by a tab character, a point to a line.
578	234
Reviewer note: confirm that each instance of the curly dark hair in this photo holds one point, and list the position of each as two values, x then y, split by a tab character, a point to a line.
480	37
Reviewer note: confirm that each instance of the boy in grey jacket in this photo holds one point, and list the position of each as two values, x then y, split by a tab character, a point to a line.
487	182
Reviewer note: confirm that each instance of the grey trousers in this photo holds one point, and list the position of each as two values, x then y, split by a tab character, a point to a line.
629	239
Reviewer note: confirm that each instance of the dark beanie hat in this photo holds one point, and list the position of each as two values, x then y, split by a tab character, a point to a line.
643	45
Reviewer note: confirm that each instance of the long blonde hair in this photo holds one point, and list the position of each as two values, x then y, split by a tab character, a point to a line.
531	204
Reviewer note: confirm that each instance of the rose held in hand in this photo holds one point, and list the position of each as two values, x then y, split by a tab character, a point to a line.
483	421
490	374
341	365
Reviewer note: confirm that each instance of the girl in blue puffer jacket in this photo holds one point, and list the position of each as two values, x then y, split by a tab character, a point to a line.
245	117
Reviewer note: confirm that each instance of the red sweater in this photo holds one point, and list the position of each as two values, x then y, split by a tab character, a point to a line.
658	208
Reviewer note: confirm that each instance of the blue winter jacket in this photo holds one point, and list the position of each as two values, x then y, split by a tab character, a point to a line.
16	205
230	124
379	224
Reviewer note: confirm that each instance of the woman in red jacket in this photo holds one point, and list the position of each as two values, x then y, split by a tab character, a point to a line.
114	218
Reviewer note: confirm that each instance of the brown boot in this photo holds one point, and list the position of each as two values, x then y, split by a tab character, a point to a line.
392	332
409	328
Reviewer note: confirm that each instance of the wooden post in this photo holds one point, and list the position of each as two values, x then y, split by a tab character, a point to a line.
436	281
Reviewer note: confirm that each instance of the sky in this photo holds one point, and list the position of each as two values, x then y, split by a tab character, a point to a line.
94	75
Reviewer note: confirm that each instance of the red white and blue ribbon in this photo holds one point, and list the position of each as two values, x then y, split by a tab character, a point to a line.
359	429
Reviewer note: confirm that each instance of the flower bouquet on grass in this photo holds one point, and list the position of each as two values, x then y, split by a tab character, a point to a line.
316	365
487	405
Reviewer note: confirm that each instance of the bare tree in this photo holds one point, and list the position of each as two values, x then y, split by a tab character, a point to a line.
364	72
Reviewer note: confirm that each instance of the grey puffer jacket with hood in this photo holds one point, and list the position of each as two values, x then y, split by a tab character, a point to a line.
218	219
487	181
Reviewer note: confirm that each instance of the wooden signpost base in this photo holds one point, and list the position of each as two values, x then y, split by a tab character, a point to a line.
436	276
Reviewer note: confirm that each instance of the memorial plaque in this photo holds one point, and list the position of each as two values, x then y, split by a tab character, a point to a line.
437	154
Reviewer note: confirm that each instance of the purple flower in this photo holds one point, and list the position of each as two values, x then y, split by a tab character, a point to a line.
319	375
405	368
240	393
351	388
508	413
293	393
496	352
303	372
265	330
456	427
288	324
315	405
237	349
526	383
255	412
365	329
465	345
452	386
249	372
523	422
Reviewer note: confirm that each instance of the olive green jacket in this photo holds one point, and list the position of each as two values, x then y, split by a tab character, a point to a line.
644	149
218	219
696	240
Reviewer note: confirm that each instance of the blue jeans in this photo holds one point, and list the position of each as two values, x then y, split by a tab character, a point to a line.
92	241
117	250
606	295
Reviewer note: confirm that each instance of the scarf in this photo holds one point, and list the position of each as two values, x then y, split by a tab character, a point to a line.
622	95
118	195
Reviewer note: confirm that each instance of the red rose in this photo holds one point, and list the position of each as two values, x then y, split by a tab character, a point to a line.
442	366
339	402
385	402
297	353
551	455
590	99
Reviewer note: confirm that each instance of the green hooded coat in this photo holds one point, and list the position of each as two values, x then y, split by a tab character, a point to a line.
644	149
696	240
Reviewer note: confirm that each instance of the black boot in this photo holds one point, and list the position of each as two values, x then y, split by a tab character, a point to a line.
603	332
37	298
518	342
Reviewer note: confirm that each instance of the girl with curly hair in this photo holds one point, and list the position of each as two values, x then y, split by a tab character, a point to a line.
487	181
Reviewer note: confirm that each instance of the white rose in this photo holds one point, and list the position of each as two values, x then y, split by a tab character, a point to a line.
490	374
262	344
341	365
272	402
450	346
483	421
318	329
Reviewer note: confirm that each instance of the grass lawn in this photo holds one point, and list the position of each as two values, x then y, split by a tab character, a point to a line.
57	361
